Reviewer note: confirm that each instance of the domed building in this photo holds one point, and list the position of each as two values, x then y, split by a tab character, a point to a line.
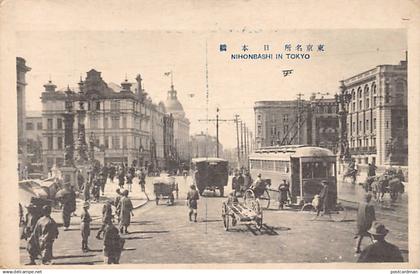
181	125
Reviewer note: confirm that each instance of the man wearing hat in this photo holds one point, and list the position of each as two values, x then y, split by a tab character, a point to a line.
380	251
43	237
365	217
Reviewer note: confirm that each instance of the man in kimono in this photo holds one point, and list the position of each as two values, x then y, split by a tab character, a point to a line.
365	217
125	208
284	193
42	239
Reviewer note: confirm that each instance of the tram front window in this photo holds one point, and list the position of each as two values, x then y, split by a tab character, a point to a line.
317	170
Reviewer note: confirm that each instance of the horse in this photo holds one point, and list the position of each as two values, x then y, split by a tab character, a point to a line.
380	187
351	174
395	187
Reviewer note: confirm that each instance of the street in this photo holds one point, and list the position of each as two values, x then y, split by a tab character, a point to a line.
162	234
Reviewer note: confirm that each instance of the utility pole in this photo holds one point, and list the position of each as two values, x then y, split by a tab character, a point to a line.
217	120
245	142
242	142
298	117
237	137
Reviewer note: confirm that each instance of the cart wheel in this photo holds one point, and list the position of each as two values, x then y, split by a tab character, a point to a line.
339	213
264	199
222	191
225	216
157	200
249	196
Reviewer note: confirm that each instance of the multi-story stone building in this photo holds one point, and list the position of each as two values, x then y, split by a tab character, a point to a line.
181	126
377	115
123	123
33	127
203	145
313	122
21	70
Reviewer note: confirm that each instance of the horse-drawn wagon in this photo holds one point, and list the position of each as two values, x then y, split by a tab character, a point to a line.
164	188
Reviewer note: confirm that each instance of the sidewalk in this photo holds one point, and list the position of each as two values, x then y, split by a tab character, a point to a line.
137	197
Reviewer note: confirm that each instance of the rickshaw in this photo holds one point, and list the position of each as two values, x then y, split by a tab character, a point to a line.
234	212
210	174
304	167
164	188
260	192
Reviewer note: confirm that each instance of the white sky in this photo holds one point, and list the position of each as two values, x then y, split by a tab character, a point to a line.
234	86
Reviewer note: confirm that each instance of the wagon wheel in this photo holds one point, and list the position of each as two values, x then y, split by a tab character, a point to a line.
339	213
249	196
259	218
264	199
225	216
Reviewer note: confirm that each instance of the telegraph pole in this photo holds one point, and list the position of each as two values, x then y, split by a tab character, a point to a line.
217	120
242	141
237	137
298	117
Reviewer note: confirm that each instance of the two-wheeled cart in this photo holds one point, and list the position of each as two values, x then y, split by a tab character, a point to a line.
234	212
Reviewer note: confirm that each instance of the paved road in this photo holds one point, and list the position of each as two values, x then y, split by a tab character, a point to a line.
163	234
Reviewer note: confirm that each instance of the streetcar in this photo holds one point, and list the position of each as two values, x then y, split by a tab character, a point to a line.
210	173
303	167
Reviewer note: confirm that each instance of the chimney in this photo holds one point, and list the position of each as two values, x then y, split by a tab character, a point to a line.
50	87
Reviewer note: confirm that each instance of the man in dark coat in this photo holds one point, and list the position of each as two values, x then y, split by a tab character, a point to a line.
43	237
235	181
192	204
240	184
372	169
380	251
69	202
284	193
324	198
365	217
113	244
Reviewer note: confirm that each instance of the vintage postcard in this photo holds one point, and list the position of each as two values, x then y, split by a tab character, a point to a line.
162	136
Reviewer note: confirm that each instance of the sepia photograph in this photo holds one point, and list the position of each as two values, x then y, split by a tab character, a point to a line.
212	147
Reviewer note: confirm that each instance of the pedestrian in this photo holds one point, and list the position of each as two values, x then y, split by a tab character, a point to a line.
284	193
121	177
240	184
112	172
85	227
106	217
113	244
86	187
32	216
142	180
116	203
125	207
72	201
129	181
68	201
80	180
380	251
102	181
43	237
192	198
96	189
365	217
324	199
235	180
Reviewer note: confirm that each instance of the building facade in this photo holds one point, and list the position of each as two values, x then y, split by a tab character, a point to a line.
33	127
203	145
312	122
181	126
121	121
21	70
377	115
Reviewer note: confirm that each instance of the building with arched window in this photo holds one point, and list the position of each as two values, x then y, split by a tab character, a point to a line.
377	119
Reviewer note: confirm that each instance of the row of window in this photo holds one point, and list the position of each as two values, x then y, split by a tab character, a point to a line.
31	126
363	142
114	140
363	127
273	165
